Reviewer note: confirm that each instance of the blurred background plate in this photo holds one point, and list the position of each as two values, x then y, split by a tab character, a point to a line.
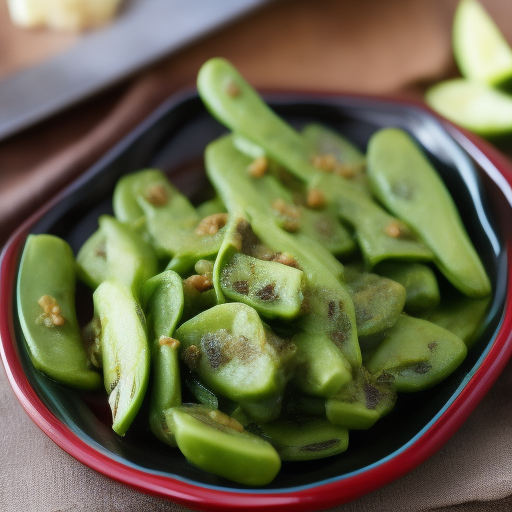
144	31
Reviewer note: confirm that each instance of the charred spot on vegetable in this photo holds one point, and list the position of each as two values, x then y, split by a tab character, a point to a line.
280	345
156	194
191	356
305	307
268	293
320	447
372	395
101	250
140	314
362	314
211	345
331	309
241	287
422	368
239	348
249	241
114	383
133	390
432	346
231	88
116	404
385	377
338	337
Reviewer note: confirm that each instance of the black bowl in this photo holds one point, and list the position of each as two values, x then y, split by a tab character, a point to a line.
173	139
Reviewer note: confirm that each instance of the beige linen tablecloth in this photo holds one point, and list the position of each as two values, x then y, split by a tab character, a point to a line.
369	46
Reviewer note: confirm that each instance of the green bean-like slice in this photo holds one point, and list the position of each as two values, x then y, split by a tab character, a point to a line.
380	236
322	370
305	438
416	354
235	355
361	403
125	351
419	281
116	252
378	301
171	223
273	289
216	443
162	299
46	309
461	315
421	199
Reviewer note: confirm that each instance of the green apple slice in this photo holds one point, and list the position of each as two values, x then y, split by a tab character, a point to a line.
473	105
479	48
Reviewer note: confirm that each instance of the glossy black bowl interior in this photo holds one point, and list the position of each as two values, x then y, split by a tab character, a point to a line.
174	139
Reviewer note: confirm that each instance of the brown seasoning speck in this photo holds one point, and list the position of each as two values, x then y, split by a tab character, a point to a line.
258	167
212	224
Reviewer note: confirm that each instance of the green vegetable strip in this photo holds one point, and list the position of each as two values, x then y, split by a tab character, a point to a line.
237	105
331	308
405	181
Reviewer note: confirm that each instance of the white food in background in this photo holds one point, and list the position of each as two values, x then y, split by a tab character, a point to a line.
71	15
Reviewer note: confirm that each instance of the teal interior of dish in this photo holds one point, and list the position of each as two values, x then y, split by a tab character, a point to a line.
174	139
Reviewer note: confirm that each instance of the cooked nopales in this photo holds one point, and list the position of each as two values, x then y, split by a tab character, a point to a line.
270	321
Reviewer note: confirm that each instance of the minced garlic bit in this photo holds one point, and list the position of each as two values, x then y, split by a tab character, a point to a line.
315	199
212	224
201	282
166	340
227	421
326	163
290	213
286	259
349	170
345	170
396	229
258	167
156	194
232	88
51	316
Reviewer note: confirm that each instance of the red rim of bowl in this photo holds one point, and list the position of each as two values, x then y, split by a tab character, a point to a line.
322	495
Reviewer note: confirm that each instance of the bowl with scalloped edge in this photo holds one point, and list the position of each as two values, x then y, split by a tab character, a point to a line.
173	138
